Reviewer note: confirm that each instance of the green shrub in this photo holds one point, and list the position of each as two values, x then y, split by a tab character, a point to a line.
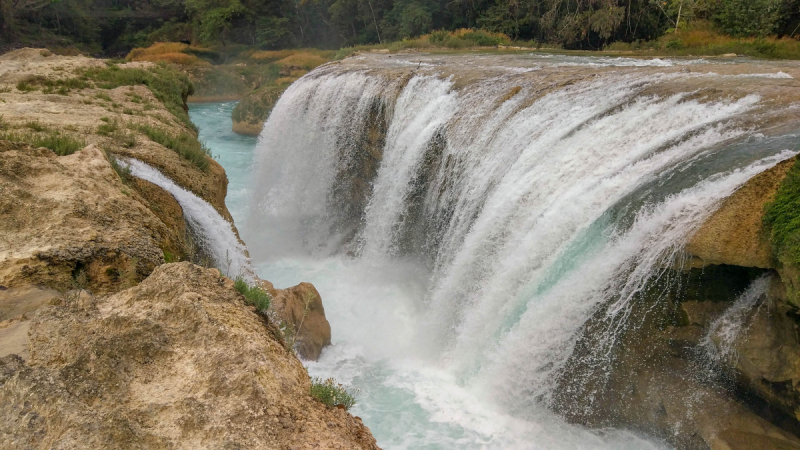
62	145
331	393
743	18
168	85
253	294
184	144
24	86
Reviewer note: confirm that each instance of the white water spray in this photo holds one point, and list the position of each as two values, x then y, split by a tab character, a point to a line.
211	231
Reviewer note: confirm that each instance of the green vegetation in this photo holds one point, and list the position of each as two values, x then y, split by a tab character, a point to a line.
59	143
35	125
123	172
184	144
331	393
253	294
49	85
256	106
217	30
168	85
782	218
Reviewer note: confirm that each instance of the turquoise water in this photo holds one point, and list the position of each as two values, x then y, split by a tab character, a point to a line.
233	151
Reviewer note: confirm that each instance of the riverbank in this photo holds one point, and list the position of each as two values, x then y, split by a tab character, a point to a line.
94	307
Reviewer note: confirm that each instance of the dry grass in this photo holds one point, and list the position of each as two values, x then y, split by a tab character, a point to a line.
174	58
170	52
701	39
302	60
285	80
275	55
159	48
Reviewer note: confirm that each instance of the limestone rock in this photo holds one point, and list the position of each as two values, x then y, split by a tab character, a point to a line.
765	354
734	235
63	215
301	308
178	361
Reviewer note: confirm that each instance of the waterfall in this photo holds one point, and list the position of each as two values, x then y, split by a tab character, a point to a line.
527	202
211	232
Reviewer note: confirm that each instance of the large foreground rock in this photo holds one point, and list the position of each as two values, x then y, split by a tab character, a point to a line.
63	215
178	361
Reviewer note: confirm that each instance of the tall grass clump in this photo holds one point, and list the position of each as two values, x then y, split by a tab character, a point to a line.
253	294
184	144
331	393
168	85
60	144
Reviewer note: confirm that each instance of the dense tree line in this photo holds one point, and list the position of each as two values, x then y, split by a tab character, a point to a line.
114	26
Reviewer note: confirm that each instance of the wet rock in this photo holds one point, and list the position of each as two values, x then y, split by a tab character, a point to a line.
657	378
254	108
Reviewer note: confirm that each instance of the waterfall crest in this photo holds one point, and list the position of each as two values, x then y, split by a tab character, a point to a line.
532	197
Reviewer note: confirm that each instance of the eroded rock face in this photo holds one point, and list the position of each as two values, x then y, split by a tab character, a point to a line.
63	215
300	308
178	361
659	379
765	353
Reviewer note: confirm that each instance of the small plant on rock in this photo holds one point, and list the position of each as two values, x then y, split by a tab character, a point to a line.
331	393
253	294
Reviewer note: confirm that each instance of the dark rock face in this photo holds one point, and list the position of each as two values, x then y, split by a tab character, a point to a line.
657	376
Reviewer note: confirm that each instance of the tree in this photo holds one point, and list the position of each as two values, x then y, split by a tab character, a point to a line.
744	18
213	18
10	10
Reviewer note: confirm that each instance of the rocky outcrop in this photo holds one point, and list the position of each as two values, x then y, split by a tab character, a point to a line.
254	108
80	112
300	310
63	216
179	361
660	381
764	356
734	234
86	360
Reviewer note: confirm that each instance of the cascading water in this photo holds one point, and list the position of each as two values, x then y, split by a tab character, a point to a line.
212	233
464	224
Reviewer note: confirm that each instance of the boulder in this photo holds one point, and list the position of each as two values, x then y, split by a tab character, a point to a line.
254	108
300	308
